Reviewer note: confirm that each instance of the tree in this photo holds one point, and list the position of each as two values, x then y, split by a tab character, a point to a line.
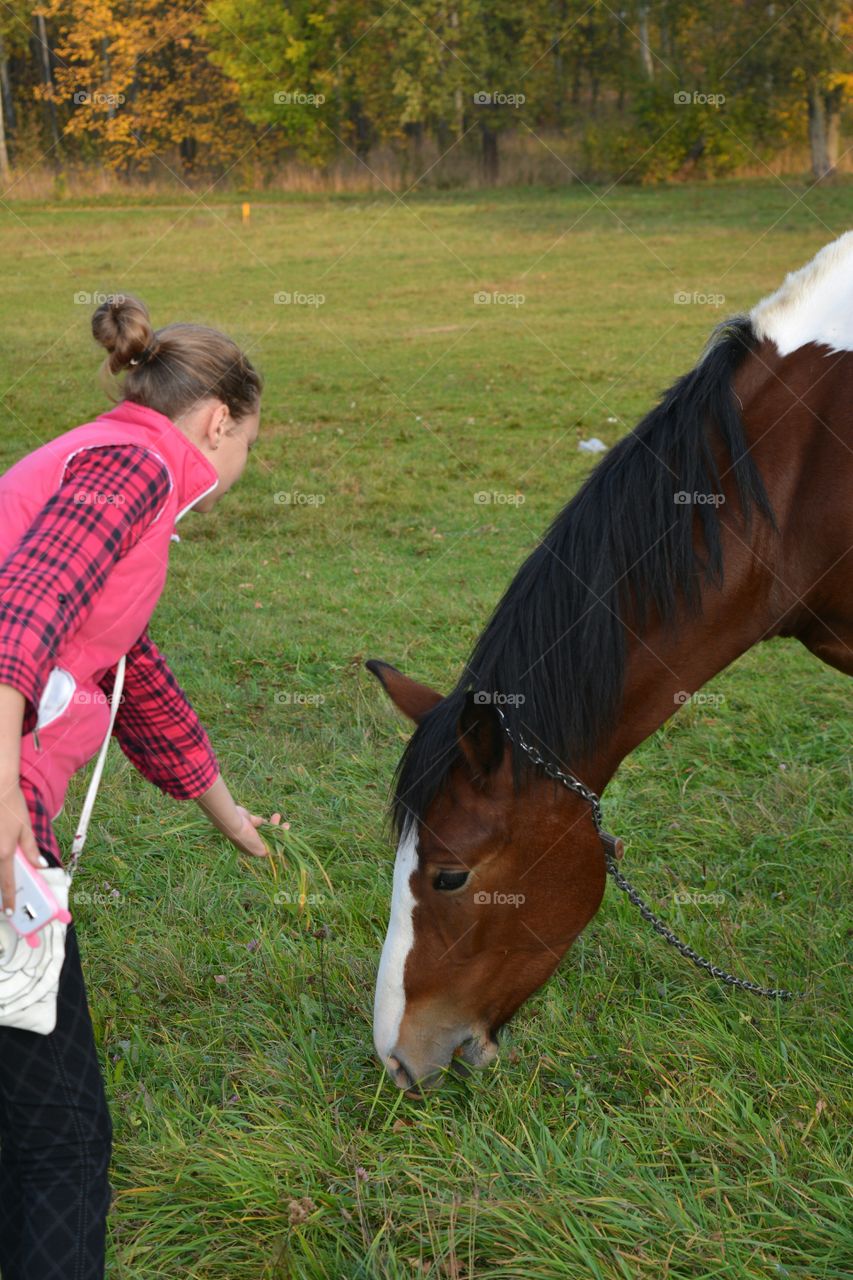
649	89
133	78
20	73
462	70
292	69
796	68
823	67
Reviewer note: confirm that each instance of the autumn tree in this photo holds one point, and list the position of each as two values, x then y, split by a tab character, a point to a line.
639	89
133	80
814	50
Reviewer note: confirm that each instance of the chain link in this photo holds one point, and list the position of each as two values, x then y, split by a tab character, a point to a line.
572	783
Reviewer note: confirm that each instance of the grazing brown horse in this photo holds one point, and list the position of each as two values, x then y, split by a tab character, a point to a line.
722	520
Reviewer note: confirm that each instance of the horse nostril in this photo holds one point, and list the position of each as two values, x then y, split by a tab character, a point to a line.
401	1073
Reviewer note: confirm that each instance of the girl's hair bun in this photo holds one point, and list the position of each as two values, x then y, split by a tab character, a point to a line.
122	325
175	368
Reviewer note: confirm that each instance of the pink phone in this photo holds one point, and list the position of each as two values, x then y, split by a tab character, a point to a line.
35	903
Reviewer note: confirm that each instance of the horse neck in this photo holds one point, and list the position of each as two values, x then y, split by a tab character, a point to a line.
765	591
665	665
664	668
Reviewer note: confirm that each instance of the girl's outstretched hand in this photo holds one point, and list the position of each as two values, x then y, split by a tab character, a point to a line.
247	838
235	822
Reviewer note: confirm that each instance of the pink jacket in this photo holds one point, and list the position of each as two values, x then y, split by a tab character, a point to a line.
73	713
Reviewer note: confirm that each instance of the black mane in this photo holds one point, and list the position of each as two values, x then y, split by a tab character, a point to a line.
623	547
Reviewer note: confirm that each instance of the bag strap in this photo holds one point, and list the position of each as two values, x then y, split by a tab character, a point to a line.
89	802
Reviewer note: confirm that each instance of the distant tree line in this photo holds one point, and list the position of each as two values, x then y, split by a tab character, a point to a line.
648	90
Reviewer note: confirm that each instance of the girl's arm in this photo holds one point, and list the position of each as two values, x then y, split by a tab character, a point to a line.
15	828
160	733
48	584
157	727
232	819
51	578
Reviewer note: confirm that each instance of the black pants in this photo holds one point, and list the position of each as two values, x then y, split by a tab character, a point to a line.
55	1142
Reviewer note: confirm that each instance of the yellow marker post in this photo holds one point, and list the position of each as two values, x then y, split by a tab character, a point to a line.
247	212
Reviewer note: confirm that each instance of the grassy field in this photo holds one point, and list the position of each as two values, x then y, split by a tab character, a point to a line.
642	1121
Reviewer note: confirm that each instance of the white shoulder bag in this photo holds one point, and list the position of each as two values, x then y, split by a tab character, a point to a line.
29	976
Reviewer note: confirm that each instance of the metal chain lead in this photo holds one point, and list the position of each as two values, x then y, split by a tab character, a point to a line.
572	783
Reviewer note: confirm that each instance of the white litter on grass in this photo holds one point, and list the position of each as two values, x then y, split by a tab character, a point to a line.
593	445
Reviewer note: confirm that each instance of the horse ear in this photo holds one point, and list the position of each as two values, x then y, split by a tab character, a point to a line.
481	735
413	699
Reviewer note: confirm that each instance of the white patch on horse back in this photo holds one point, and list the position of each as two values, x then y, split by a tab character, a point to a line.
390	1000
815	304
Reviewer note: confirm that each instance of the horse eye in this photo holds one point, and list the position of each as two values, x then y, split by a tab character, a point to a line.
450	879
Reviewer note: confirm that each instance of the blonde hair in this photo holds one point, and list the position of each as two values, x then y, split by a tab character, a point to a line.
173	368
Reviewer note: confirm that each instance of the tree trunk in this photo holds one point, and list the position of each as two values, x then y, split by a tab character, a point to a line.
414	131
188	152
833	99
458	101
645	47
361	130
105	54
6	92
4	153
558	51
620	99
819	132
491	160
559	83
43	59
665	34
691	159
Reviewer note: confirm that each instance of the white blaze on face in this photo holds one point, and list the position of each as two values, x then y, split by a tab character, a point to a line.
390	1000
815	304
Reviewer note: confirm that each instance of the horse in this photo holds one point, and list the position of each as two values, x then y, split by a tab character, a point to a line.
722	520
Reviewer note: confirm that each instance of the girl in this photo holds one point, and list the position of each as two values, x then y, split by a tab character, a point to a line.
86	524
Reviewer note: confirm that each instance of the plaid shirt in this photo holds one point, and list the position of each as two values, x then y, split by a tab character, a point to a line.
66	556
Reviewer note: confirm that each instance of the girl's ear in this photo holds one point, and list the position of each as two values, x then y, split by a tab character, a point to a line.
214	424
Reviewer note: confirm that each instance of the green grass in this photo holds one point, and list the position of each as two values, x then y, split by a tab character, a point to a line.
642	1121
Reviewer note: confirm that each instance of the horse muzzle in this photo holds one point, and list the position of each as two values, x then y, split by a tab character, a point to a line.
417	1068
